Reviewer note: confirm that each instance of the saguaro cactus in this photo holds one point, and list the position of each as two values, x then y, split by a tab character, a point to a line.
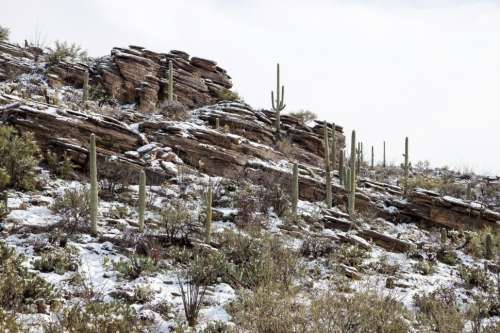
217	123
208	215
333	153
278	103
328	176
93	185
85	95
373	158
352	175
488	251
383	162
170	93
295	188
341	167
142	199
406	167
469	191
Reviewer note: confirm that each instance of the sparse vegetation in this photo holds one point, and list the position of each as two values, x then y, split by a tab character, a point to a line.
60	260
74	208
4	34
304	115
19	155
228	95
63	51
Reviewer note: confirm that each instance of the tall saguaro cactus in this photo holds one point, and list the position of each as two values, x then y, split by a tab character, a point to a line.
142	199
341	167
352	175
333	153
295	188
85	95
383	162
406	167
170	93
373	158
328	176
208	215
278	103
93	185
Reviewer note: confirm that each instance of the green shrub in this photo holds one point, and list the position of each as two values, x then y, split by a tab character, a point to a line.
474	277
74	207
425	267
176	220
8	322
4	34
60	261
439	311
254	262
304	115
350	255
19	155
135	266
229	95
18	286
63	51
364	311
477	244
97	317
268	309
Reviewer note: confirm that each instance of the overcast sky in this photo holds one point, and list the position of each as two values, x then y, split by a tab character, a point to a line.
426	69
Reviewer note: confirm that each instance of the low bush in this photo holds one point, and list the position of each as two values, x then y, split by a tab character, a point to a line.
74	208
350	255
18	286
475	277
479	247
8	322
176	220
60	261
63	51
439	311
19	155
228	95
135	266
97	317
4	34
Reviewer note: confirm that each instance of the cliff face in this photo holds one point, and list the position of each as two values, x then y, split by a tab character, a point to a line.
129	75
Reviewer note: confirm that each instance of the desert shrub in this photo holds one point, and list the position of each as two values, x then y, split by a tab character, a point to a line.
18	286
19	155
304	115
74	207
481	308
423	182
4	33
63	51
383	266
477	244
228	95
425	267
268	309
350	255
254	262
364	311
64	168
447	256
176	220
4	181
248	204
439	311
217	327
142	294
192	293
474	277
316	247
60	261
97	317
135	266
8	322
275	196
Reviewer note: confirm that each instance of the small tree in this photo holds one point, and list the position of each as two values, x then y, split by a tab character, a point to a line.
63	51
4	34
304	115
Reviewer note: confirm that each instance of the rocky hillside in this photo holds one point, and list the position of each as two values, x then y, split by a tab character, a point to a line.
218	246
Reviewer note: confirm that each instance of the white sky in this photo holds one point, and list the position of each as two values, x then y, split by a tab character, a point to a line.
426	69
